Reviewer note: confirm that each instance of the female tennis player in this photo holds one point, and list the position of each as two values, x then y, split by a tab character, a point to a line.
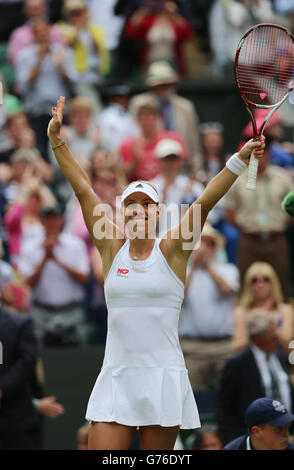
143	382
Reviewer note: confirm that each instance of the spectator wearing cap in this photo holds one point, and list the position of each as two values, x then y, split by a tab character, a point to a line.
137	153
261	220
56	267
115	121
260	370
268	427
177	113
23	35
88	43
171	184
207	314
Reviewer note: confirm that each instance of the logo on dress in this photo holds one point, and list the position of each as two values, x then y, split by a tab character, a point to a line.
122	272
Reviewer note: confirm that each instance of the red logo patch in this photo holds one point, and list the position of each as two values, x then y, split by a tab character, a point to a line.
122	271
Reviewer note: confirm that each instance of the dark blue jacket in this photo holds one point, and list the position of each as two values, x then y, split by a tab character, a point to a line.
240	384
240	444
19	353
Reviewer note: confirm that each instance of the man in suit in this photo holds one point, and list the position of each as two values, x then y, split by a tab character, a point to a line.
177	113
268	427
260	370
19	418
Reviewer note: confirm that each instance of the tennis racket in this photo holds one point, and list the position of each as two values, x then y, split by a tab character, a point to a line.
264	65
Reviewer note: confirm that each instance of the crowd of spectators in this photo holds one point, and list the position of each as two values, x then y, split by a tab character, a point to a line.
50	271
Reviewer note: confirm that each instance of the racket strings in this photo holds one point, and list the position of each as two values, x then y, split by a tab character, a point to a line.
264	66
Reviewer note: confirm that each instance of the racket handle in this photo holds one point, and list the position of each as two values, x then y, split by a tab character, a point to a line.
252	172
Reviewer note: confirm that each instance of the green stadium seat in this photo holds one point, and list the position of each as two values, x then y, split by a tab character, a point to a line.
6	69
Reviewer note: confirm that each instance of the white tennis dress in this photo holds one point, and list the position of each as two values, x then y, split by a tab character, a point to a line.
143	380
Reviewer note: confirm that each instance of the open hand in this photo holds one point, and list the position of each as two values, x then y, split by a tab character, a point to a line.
55	123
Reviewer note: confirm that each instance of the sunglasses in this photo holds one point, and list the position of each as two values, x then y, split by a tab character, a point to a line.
260	279
208	242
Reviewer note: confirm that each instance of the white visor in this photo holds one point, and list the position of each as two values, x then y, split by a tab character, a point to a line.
140	187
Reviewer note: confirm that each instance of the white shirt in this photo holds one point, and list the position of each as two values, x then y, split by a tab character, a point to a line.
102	14
55	286
171	211
282	378
206	312
117	124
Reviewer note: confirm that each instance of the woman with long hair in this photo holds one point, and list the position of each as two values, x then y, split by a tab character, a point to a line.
143	381
262	289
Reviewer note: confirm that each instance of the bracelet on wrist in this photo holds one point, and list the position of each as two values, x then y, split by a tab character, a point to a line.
58	145
236	165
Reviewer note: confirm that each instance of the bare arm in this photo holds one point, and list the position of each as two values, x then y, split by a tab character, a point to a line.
79	180
240	338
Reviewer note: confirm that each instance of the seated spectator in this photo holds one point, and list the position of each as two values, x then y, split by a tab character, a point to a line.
88	43
22	219
137	153
207	438
260	370
261	289
43	71
56	259
171	184
206	324
23	35
268	427
18	134
115	121
176	112
212	142
259	217
162	31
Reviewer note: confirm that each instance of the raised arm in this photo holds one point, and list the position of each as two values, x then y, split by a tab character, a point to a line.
104	235
192	223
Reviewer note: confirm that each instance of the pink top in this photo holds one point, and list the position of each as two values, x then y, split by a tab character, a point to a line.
12	223
148	166
22	37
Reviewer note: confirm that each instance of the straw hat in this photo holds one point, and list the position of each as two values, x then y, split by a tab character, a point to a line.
209	232
161	73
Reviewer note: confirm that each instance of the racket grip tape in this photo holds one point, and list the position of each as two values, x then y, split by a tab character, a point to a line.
252	172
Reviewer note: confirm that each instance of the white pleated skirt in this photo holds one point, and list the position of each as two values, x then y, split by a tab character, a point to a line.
144	396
